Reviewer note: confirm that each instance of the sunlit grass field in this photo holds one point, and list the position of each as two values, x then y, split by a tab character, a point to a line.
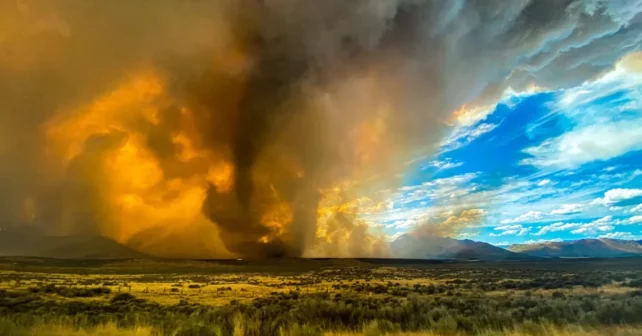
112	329
319	297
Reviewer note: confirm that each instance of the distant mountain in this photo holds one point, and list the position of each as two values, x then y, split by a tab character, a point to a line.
428	247
28	243
583	248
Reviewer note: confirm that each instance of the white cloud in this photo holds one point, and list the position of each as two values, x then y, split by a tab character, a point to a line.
443	190
637	208
541	241
595	142
603	220
621	235
510	230
507	227
452	181
555	227
445	164
575	100
591	229
507	233
447	188
481	130
529	216
567	209
614	196
635	220
462	136
602	130
600	225
543	182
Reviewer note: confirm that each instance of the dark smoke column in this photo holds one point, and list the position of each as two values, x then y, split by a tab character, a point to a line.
273	76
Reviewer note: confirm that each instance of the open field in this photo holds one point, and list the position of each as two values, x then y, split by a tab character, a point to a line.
316	297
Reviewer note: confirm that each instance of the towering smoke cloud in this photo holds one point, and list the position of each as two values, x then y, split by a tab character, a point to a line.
259	128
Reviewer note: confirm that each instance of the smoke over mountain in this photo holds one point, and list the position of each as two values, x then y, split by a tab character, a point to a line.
259	128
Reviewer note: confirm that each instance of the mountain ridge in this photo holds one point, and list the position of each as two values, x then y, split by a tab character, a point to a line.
29	243
581	248
432	247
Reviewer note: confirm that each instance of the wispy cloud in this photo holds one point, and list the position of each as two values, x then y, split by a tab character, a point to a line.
527	217
555	227
543	182
622	235
445	164
567	209
603	224
602	130
541	241
600	225
510	230
462	136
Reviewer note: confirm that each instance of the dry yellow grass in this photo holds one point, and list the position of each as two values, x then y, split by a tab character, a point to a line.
103	330
546	331
159	291
112	330
245	288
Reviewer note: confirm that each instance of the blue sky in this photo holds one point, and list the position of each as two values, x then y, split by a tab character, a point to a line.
538	166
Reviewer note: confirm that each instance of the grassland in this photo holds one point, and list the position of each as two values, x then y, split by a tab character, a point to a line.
317	297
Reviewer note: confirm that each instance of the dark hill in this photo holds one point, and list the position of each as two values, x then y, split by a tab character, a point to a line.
28	243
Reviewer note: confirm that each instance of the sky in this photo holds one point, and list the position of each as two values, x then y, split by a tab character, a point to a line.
217	129
540	165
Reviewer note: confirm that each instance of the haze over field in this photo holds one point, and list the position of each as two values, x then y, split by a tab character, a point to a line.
252	129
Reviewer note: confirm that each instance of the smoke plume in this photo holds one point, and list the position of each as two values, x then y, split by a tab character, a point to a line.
257	128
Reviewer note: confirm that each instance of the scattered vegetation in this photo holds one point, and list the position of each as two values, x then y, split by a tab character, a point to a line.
352	300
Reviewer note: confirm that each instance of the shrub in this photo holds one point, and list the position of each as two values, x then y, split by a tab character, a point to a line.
122	297
558	295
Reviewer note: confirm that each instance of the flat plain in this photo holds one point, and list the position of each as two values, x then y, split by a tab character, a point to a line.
320	297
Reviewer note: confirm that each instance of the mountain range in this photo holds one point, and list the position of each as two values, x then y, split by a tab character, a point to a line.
30	243
431	247
408	246
583	248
